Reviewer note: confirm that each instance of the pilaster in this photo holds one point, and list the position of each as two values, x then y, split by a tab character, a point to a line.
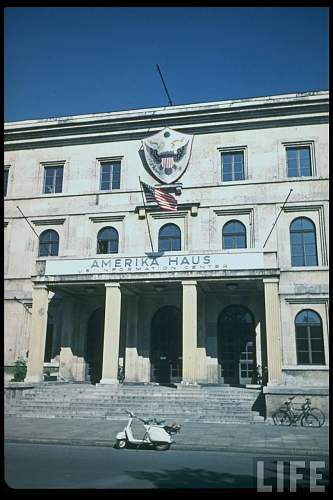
190	327
273	331
111	333
38	334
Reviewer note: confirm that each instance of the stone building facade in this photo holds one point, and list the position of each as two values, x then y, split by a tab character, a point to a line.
231	288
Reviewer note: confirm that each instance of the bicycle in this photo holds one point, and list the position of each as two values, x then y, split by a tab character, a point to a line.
288	415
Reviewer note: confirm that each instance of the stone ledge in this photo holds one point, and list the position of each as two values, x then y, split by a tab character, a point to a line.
19	385
305	368
320	391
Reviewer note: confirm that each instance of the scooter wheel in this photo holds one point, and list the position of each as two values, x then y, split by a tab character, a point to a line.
121	443
162	446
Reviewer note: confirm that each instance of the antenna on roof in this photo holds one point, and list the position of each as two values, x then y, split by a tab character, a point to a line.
166	90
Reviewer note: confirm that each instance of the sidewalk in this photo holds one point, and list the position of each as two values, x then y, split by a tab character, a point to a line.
252	438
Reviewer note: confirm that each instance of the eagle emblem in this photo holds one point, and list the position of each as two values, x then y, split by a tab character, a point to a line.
167	154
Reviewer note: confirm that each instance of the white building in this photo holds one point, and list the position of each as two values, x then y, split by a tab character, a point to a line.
220	302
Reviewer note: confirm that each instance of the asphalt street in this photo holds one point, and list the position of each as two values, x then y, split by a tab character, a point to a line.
41	466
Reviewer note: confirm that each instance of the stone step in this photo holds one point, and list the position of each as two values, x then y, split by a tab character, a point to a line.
138	405
127	402
146	404
169	418
223	404
137	388
166	416
154	404
138	411
126	397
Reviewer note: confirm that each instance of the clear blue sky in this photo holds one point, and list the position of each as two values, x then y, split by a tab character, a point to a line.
65	61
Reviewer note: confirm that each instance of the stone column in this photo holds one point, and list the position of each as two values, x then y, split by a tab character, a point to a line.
273	331
37	340
189	331
111	333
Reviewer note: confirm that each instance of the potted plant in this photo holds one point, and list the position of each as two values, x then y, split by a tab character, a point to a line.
20	370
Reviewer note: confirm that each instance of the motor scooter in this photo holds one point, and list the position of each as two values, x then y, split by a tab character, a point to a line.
156	434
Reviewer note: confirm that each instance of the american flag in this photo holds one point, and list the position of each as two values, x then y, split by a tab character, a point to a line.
164	200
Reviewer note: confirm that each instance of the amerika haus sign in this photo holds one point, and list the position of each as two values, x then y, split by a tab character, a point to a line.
155	263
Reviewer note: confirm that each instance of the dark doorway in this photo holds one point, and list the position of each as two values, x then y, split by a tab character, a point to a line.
94	345
236	345
166	345
49	339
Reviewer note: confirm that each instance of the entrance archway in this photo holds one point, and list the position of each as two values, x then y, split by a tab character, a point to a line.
236	345
94	345
166	345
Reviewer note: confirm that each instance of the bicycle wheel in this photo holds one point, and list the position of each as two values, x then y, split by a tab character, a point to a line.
319	414
310	420
281	418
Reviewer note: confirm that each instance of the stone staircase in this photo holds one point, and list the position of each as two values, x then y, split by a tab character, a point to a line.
188	404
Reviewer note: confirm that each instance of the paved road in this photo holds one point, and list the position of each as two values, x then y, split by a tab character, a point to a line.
36	466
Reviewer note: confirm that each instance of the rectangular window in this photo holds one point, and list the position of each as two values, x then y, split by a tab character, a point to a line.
110	175
309	345
299	161
6	175
53	179
233	166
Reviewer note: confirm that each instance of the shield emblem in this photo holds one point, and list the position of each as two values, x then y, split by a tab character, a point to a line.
167	154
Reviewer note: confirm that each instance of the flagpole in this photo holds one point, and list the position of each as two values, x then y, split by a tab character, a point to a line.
277	217
27	221
143	199
48	252
165	88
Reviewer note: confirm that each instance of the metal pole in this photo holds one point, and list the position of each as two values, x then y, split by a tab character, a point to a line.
166	90
143	199
48	250
27	221
277	218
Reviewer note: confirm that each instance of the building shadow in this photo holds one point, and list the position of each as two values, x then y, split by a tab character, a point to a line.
260	405
194	478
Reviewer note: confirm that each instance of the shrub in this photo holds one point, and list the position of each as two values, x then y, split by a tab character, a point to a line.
20	370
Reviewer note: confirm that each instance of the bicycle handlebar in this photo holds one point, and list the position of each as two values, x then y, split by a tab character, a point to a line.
150	420
130	413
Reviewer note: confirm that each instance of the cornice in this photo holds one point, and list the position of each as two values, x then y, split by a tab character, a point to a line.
302	208
48	222
306	300
275	101
107	218
137	126
169	215
234	211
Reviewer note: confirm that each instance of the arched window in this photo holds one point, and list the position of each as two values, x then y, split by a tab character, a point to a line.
303	242
107	240
169	238
48	243
234	235
309	338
